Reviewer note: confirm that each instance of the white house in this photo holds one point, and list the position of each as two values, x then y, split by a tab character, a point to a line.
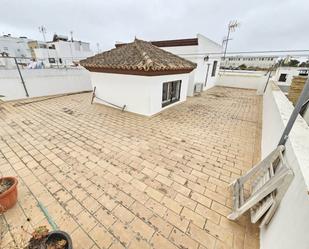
264	62
284	75
14	46
139	77
61	51
200	50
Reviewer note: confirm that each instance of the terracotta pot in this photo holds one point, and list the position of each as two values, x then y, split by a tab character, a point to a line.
9	197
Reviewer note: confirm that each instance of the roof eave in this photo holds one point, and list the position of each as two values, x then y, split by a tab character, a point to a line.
138	72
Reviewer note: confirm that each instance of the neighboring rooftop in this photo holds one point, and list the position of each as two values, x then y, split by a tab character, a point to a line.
170	43
140	58
113	179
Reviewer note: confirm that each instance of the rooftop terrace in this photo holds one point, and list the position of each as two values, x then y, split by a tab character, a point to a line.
114	179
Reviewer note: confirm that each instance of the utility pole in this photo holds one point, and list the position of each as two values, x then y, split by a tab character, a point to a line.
231	28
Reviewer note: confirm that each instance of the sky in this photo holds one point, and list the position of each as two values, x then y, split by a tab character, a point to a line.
264	24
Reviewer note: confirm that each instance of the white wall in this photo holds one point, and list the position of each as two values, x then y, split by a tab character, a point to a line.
43	82
140	94
15	46
290	225
196	54
242	79
69	51
290	71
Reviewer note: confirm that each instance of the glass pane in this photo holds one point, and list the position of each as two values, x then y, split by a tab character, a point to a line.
164	91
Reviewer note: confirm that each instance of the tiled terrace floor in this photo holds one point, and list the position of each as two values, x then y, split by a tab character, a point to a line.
119	180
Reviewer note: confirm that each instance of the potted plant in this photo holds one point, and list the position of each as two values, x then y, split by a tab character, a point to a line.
8	193
42	239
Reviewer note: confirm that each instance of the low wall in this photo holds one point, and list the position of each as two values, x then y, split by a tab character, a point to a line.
289	227
43	82
242	79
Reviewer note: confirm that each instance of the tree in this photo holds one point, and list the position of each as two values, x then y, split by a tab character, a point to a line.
293	63
304	64
242	67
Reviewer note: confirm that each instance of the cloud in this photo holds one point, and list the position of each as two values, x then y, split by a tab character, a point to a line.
265	24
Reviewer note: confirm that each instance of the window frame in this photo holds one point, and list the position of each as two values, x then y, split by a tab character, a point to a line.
214	68
282	75
171	95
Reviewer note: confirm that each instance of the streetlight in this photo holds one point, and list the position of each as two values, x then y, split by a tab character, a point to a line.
231	28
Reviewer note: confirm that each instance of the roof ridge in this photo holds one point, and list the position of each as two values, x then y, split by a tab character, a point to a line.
147	62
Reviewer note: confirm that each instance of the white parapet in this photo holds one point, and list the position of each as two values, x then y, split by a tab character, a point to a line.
43	82
242	79
289	227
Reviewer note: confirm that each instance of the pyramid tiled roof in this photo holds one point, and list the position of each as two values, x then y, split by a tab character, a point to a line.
139	58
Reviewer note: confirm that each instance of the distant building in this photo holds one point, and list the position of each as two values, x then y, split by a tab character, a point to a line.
263	62
284	75
61	51
15	46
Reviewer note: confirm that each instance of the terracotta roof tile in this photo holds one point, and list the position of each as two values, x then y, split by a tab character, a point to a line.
138	57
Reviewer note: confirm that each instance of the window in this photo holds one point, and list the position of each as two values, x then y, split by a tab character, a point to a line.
303	72
214	69
51	60
282	77
171	92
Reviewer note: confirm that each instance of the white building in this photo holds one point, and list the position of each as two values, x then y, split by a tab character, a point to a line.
284	75
61	51
14	46
139	77
200	50
263	62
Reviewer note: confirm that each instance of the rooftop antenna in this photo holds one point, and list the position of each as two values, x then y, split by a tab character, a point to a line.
42	30
98	48
71	32
231	28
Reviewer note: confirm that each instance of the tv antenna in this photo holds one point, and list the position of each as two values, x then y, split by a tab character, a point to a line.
231	28
42	30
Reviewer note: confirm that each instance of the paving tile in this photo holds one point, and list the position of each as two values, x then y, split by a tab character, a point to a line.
177	220
141	228
159	242
122	232
81	239
118	180
161	225
105	217
122	213
182	240
101	236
